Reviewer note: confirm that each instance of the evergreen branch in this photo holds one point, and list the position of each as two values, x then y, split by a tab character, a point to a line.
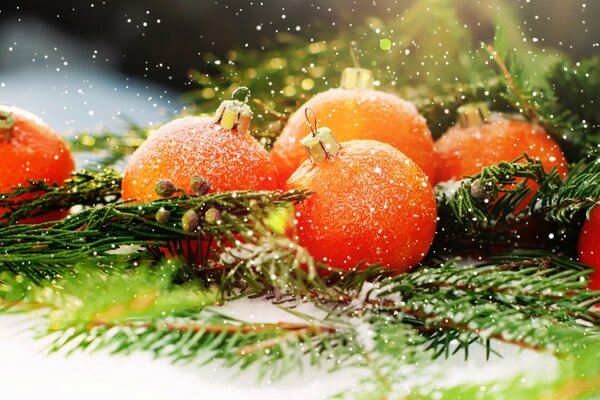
575	89
492	196
259	263
144	309
536	304
526	108
578	194
86	188
283	270
99	232
411	319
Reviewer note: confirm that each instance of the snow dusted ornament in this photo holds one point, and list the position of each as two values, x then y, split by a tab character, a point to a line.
202	155
372	204
356	111
481	138
31	151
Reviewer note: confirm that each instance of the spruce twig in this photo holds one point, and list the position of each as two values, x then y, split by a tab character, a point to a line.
86	188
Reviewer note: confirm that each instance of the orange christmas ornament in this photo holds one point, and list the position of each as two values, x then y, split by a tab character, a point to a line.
220	150
482	139
357	111
371	203
589	246
31	151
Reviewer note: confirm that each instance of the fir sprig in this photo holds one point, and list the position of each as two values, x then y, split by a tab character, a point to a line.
100	232
281	264
576	196
492	196
86	188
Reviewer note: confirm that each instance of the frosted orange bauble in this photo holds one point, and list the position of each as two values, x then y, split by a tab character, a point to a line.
371	203
31	151
229	158
357	112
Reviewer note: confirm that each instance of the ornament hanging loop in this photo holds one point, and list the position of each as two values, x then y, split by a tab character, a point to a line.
311	124
320	144
353	56
241	94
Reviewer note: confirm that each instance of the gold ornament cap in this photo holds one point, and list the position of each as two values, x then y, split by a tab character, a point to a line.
235	114
321	145
7	118
356	78
473	114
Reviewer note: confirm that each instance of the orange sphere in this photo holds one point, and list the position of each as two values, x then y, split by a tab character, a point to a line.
357	114
589	246
371	203
465	151
227	158
31	150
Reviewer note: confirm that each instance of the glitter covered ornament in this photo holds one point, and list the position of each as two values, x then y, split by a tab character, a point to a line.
356	111
481	139
31	151
220	151
589	246
371	203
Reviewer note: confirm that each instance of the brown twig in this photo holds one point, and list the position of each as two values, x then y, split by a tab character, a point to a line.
280	116
448	324
19	303
295	328
574	388
531	112
306	331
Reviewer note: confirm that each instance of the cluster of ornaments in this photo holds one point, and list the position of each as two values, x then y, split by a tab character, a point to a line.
371	166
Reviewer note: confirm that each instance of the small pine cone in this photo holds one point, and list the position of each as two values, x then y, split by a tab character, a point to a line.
165	188
189	221
163	215
212	216
200	186
480	191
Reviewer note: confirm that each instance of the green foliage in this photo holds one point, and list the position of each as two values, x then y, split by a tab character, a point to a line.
110	147
85	188
493	196
100	232
578	195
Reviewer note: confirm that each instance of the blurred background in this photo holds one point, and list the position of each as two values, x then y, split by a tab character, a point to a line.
89	65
